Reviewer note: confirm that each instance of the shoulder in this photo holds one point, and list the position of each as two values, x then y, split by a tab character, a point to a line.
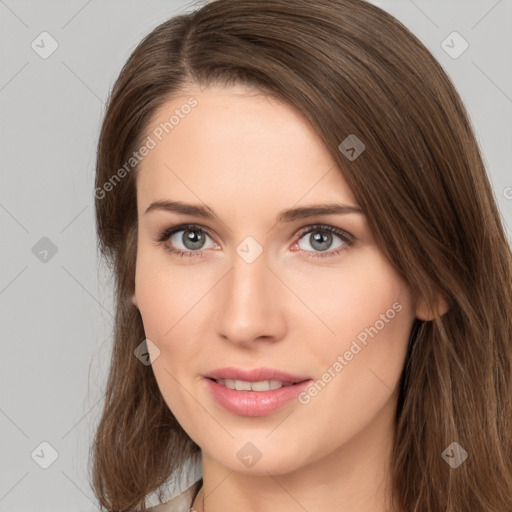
180	503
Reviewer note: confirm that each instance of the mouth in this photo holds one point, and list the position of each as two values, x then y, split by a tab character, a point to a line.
258	386
254	398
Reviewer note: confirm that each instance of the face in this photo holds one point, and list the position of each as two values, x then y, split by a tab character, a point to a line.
310	296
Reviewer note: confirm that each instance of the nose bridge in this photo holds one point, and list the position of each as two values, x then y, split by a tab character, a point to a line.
249	307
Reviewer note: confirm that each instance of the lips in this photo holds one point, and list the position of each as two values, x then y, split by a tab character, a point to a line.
255	375
257	392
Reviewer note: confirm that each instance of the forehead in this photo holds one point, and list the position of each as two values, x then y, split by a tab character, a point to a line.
236	144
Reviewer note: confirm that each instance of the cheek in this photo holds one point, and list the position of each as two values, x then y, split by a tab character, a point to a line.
358	373
353	296
360	362
164	298
164	293
154	302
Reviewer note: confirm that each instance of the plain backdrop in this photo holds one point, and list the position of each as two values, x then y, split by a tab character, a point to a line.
55	297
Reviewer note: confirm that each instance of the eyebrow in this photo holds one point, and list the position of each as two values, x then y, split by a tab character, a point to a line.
288	215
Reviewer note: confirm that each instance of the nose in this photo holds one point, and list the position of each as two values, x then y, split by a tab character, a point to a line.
249	304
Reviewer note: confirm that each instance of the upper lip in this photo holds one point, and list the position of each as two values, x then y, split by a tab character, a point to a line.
254	375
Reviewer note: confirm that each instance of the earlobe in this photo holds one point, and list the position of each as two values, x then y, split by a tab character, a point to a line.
425	313
134	300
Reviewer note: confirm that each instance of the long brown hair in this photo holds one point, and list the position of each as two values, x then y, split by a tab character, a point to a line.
351	69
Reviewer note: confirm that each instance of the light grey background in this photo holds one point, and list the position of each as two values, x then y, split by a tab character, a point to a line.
57	314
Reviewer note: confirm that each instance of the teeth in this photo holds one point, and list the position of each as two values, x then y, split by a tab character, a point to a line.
243	385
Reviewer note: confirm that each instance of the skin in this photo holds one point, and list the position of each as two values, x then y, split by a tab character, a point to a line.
248	157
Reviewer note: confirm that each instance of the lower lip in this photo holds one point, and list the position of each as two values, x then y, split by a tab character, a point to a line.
254	403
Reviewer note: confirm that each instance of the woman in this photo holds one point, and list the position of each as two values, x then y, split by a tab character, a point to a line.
313	284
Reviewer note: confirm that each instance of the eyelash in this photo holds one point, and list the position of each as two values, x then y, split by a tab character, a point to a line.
347	238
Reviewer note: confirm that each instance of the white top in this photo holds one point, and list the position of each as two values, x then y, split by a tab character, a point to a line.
182	502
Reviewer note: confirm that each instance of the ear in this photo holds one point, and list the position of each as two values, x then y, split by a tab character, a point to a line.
425	313
133	300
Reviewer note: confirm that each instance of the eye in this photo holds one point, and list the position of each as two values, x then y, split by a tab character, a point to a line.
185	240
190	239
320	238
